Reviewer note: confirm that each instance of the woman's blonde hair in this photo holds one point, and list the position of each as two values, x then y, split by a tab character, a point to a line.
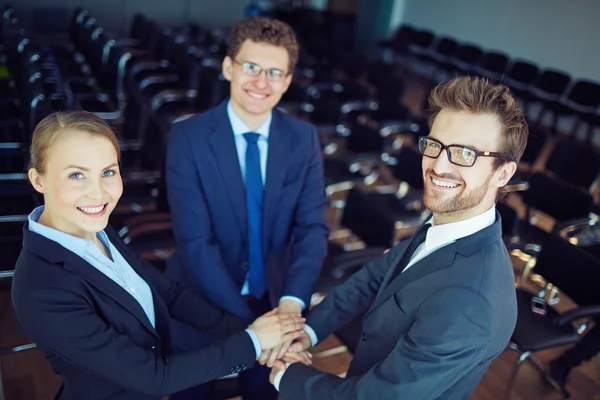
51	127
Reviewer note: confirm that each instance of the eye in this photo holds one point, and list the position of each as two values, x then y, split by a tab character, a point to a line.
434	145
276	73
252	68
468	155
108	173
76	176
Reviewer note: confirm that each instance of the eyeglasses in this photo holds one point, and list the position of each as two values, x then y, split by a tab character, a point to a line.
250	69
458	155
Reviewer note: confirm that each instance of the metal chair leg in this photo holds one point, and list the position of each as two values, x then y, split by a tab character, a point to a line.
513	377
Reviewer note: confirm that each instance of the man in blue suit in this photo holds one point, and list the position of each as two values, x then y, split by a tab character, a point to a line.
246	191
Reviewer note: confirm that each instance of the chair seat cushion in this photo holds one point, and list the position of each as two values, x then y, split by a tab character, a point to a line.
539	332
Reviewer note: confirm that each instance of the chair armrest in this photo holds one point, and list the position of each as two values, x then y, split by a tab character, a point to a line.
13	177
172	95
147	66
133	177
364	161
577	313
353	106
395	128
515	186
151	227
142	219
131	145
315	89
154	79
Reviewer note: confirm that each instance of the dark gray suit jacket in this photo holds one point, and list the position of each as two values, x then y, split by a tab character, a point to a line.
431	333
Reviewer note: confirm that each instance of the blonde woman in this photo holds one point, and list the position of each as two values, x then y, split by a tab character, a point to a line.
100	314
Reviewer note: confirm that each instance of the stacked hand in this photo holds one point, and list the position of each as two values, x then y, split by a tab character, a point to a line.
276	327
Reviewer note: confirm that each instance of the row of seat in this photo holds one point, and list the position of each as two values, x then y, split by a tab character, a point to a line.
556	93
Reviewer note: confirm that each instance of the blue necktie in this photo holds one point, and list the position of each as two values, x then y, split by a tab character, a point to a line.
254	202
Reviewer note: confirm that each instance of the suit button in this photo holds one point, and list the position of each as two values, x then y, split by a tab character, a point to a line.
364	337
245	266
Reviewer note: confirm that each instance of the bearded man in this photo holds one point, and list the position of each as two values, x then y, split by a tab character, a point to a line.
440	306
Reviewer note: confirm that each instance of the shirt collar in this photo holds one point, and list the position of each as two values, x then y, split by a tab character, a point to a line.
439	235
239	127
73	243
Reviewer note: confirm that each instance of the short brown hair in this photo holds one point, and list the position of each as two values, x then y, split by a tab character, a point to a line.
53	125
264	30
480	96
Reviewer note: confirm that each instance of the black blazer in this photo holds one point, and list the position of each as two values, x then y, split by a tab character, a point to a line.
429	333
98	338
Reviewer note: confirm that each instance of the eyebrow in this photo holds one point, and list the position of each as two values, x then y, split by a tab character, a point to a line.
456	144
261	67
87	169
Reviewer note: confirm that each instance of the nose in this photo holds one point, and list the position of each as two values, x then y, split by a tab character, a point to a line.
96	189
261	80
442	164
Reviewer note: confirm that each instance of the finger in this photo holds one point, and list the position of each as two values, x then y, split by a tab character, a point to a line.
296	347
264	356
292	325
284	349
272	312
297	357
292	335
280	365
273	356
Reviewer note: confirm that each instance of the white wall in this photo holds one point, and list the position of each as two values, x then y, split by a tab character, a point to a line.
552	33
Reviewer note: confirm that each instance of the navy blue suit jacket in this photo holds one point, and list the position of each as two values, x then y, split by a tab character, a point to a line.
208	204
99	339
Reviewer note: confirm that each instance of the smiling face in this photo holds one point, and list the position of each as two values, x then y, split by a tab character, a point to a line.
454	192
254	97
81	183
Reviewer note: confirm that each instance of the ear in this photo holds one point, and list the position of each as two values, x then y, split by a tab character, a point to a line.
504	173
226	68
288	81
36	180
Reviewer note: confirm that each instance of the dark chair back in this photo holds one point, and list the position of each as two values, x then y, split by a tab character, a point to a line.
573	270
363	218
557	198
575	163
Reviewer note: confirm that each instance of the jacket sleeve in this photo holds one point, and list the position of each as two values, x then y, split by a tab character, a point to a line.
310	230
447	340
64	322
192	225
187	306
352	297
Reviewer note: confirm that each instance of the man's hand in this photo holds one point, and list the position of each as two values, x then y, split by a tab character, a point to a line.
270	356
274	371
276	327
301	344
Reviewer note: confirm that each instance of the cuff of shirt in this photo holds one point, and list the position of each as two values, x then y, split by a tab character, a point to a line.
278	377
255	341
311	334
295	299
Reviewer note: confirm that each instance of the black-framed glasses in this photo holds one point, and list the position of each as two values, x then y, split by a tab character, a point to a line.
251	69
459	155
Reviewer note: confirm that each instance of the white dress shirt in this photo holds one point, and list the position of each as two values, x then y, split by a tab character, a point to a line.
437	237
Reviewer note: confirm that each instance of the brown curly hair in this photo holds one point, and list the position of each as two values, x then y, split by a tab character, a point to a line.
264	30
478	95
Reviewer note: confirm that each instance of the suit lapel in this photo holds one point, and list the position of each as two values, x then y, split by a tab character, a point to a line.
436	261
442	259
277	162
76	264
222	144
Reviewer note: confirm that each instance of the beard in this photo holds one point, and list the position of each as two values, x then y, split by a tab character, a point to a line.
463	200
